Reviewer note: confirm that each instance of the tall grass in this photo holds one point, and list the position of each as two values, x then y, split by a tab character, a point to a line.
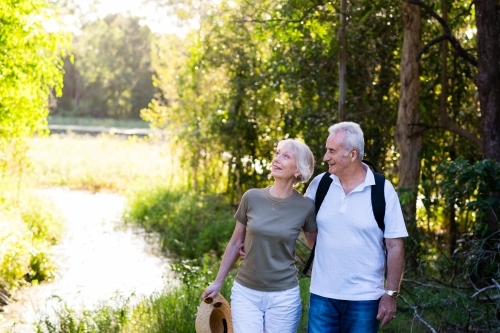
165	312
102	163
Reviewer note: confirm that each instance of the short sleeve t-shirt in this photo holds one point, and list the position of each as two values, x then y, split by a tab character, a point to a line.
272	228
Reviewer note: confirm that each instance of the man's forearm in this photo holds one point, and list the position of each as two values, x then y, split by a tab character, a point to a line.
395	263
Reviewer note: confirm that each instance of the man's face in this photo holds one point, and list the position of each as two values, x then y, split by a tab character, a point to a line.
335	154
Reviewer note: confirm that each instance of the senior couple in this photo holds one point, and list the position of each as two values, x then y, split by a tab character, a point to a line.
349	290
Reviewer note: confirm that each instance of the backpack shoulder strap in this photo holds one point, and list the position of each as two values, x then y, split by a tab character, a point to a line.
378	200
371	165
321	191
377	197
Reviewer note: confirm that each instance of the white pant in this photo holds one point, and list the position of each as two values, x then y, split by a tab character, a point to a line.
270	312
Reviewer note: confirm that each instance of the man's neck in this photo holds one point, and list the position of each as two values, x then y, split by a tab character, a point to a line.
354	176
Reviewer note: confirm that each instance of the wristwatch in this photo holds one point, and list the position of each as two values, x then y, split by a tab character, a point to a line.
393	293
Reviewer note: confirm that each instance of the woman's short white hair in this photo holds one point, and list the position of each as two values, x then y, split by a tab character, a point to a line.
304	158
353	137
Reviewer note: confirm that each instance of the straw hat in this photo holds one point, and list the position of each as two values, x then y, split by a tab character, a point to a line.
214	316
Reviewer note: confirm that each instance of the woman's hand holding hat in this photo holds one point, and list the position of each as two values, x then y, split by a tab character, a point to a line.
212	290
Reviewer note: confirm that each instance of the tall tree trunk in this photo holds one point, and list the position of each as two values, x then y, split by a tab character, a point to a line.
342	59
488	83
408	139
443	106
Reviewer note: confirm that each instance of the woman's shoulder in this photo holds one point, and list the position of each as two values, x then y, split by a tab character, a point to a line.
255	192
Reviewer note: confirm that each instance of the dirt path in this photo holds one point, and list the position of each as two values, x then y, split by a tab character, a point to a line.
98	258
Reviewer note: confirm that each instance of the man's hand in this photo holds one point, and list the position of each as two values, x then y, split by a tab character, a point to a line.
386	310
242	252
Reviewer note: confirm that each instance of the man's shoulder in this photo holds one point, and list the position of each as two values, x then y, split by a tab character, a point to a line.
318	178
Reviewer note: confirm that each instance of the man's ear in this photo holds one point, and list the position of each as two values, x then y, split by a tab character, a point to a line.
354	154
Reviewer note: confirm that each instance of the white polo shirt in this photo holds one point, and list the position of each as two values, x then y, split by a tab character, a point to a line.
349	261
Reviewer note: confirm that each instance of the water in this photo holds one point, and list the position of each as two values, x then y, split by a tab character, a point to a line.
98	259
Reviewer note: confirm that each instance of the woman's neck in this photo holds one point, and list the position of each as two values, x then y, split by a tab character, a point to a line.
281	190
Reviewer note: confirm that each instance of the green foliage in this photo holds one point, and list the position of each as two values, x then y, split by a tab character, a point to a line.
30	68
244	82
29	226
472	188
189	223
109	75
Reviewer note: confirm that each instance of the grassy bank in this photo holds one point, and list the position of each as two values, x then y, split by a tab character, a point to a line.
29	225
189	223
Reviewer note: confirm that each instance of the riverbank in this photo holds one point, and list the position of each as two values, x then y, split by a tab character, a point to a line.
98	258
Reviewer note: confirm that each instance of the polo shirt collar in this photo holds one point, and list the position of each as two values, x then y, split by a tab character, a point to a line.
369	179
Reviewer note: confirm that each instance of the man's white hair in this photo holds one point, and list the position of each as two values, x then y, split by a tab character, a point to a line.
353	137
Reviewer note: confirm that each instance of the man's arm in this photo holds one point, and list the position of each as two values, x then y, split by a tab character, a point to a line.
395	267
311	237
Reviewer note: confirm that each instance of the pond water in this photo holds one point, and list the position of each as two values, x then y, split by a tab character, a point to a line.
98	258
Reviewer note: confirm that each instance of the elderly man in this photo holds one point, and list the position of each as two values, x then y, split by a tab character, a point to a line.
348	291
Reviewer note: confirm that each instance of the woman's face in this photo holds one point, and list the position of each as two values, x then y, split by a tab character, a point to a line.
284	164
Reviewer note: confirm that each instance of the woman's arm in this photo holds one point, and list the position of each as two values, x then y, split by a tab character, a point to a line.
231	254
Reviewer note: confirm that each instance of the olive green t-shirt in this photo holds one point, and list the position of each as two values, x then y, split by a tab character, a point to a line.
270	238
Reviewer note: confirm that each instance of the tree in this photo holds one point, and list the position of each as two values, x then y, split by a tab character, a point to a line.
111	75
488	76
487	80
408	138
30	68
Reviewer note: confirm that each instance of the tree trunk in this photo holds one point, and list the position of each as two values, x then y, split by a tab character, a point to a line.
443	106
488	77
488	82
342	59
408	139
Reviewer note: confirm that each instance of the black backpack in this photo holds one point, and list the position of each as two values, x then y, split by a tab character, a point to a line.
378	202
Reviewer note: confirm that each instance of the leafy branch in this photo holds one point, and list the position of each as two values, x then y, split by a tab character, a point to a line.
448	35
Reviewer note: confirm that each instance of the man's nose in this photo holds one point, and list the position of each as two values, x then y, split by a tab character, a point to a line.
326	157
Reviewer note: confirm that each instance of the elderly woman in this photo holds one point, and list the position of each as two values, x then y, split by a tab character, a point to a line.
265	296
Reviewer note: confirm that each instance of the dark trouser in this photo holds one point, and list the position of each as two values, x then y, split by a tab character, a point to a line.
327	315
